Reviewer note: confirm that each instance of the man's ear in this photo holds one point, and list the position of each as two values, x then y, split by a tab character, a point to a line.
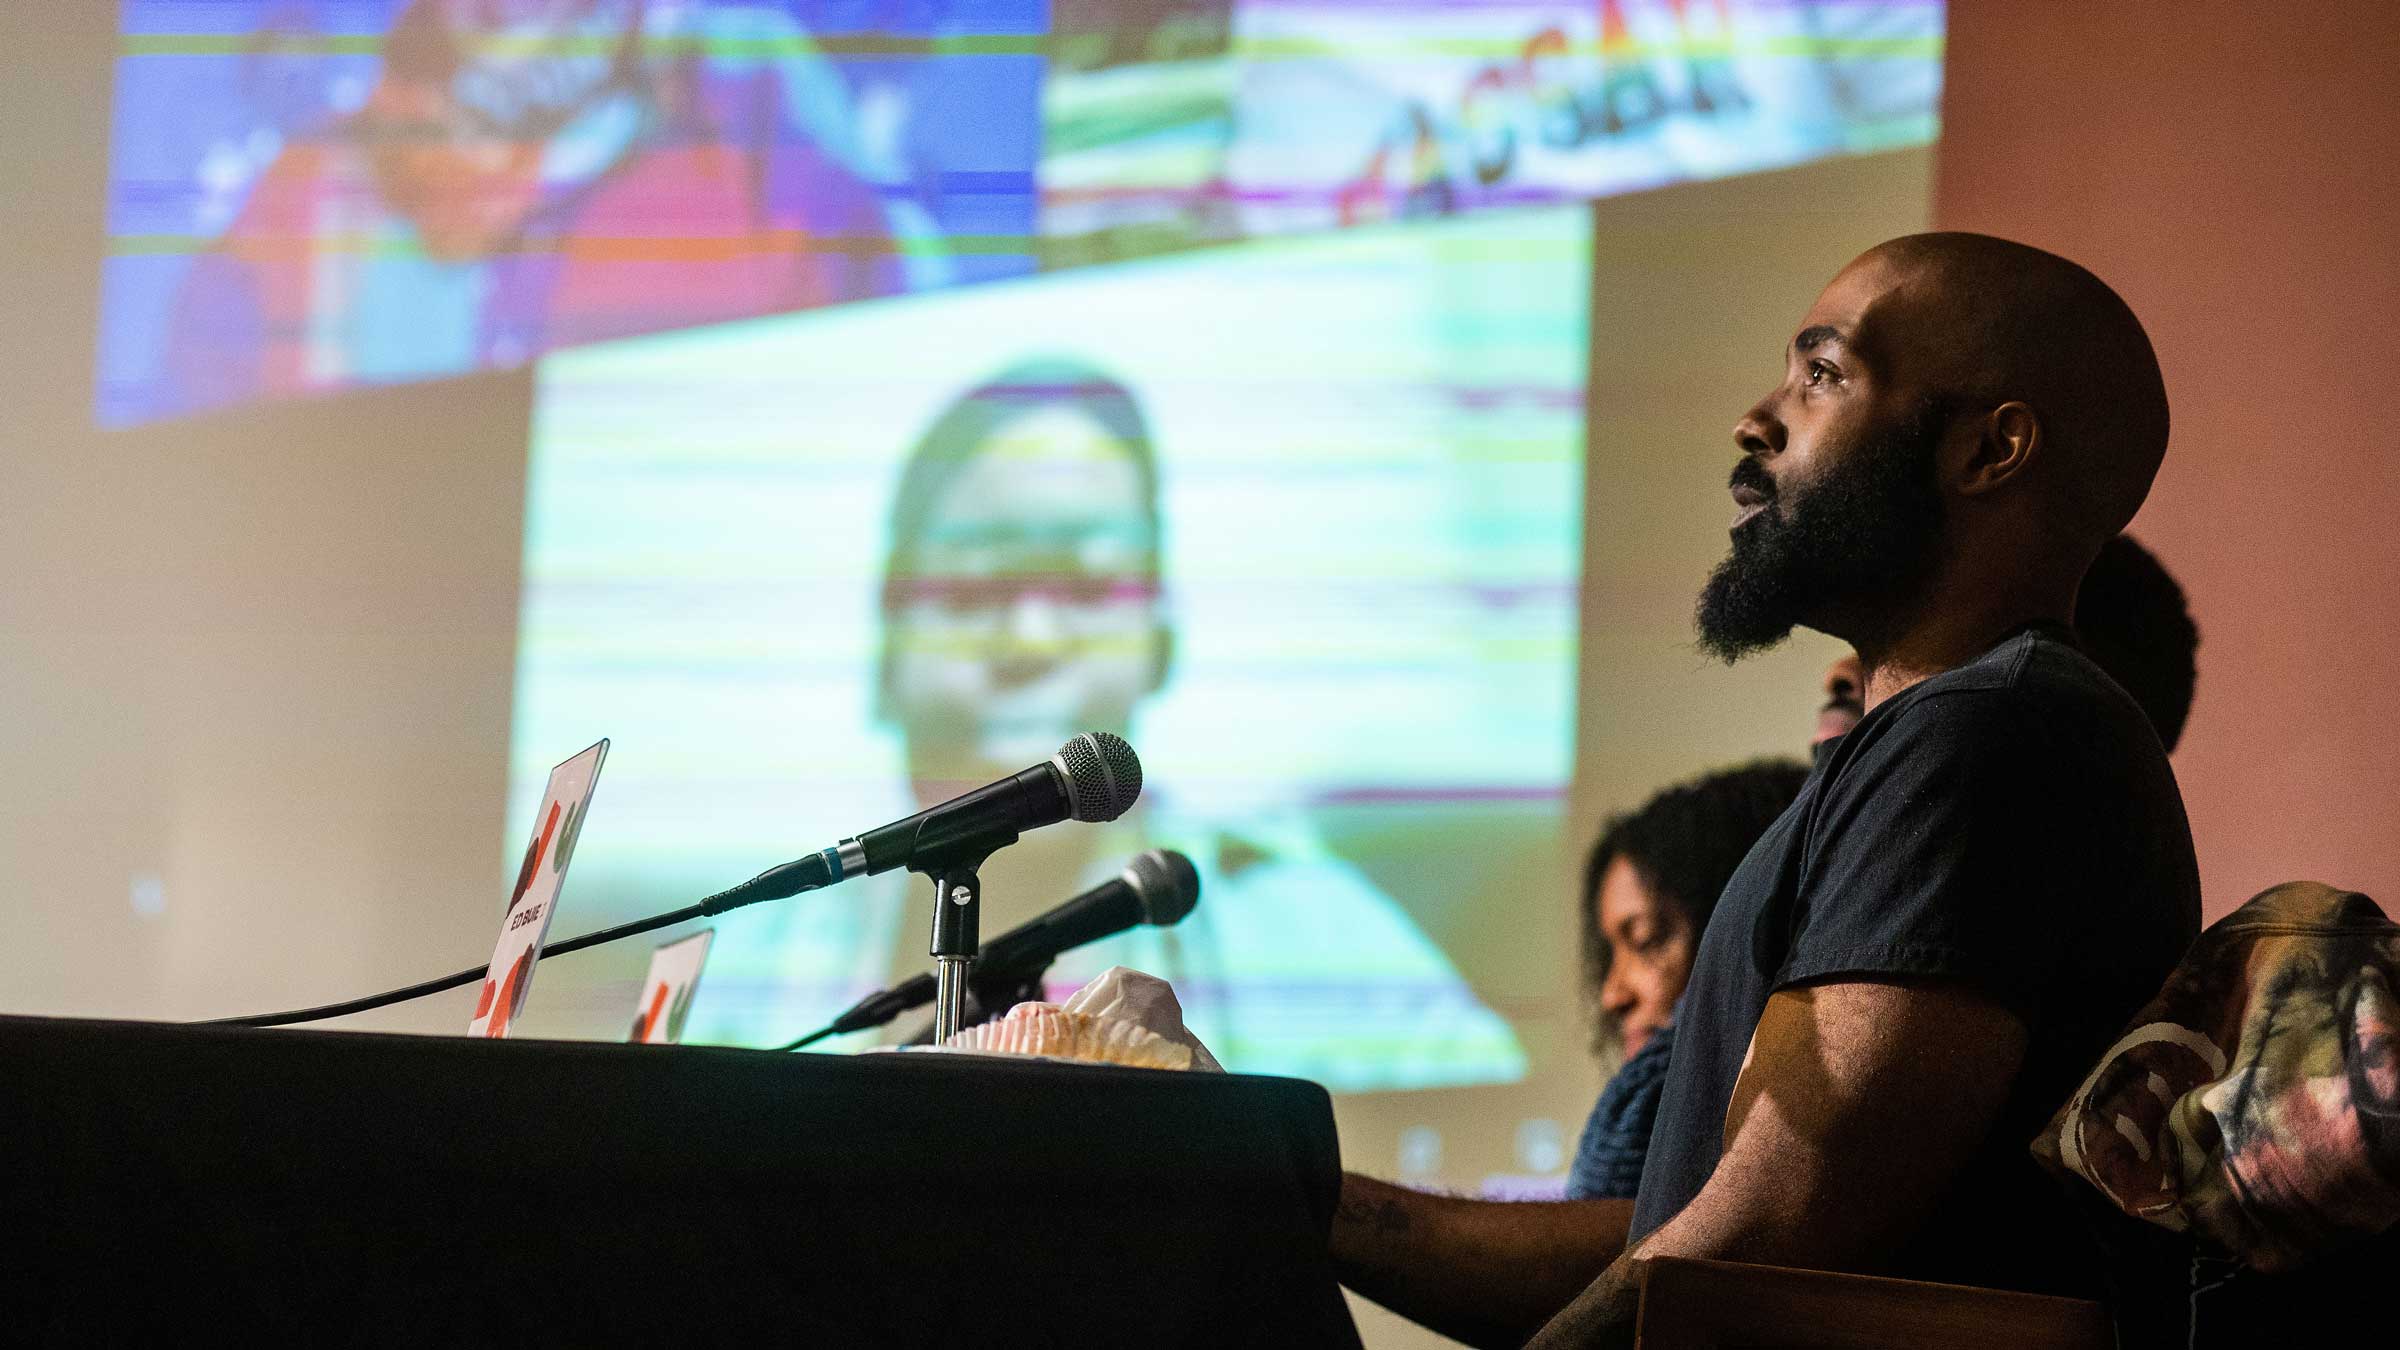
2006	441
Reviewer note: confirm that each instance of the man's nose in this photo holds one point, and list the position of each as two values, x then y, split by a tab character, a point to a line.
1759	432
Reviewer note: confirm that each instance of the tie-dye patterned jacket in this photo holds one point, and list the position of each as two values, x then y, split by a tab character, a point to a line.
2255	1103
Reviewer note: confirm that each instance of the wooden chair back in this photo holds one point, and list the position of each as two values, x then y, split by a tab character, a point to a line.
1722	1305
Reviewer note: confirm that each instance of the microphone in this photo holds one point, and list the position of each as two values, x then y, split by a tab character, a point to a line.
1158	888
1093	777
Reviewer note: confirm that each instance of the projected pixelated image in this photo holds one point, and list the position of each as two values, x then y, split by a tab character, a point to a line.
1137	117
307	196
313	194
1353	113
1299	518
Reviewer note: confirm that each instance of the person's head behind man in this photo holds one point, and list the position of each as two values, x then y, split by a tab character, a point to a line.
1962	423
1651	881
2134	623
1021	593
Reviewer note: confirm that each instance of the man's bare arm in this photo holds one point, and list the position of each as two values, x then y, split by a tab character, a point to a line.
1858	1104
1487	1272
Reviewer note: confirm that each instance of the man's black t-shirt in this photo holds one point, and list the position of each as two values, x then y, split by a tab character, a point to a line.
2011	826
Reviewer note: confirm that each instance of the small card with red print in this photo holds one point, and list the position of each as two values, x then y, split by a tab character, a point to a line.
530	906
667	991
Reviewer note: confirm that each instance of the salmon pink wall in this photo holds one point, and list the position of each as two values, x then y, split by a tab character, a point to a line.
2234	170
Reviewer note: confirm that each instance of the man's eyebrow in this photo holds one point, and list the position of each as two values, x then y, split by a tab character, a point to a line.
1817	335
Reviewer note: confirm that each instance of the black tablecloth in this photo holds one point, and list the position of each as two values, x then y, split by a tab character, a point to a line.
334	1188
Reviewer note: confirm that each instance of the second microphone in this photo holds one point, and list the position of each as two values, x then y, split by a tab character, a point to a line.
1158	888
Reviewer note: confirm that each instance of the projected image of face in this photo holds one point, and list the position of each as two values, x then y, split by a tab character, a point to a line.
480	104
846	565
1022	605
392	190
1023	600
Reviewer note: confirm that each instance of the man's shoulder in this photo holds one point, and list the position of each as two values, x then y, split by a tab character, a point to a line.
2036	687
2031	730
2035	660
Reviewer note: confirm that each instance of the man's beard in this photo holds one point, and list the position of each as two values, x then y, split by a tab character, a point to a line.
1864	533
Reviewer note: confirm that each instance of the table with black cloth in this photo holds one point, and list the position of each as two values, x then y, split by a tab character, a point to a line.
342	1188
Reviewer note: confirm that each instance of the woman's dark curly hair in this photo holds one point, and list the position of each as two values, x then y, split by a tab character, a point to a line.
1685	844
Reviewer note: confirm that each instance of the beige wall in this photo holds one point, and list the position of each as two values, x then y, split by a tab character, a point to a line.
263	658
2228	166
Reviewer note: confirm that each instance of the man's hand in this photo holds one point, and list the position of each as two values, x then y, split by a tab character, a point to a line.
1858	1104
1487	1272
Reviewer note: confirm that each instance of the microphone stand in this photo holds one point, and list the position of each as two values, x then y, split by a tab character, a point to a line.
957	900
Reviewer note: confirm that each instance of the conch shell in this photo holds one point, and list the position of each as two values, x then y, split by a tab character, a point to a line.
1047	1029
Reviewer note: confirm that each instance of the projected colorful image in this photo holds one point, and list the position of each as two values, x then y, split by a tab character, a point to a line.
1354	113
311	195
307	195
1298	518
1137	117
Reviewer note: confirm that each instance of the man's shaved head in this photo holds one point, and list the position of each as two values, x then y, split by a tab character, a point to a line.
1961	424
2002	321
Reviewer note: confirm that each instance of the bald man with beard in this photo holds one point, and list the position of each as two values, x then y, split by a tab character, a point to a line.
1990	872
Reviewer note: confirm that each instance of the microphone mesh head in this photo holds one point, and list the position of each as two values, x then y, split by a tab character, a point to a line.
1103	775
1166	883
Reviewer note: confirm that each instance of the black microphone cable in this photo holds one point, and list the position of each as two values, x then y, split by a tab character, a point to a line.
776	883
872	1011
811	1038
